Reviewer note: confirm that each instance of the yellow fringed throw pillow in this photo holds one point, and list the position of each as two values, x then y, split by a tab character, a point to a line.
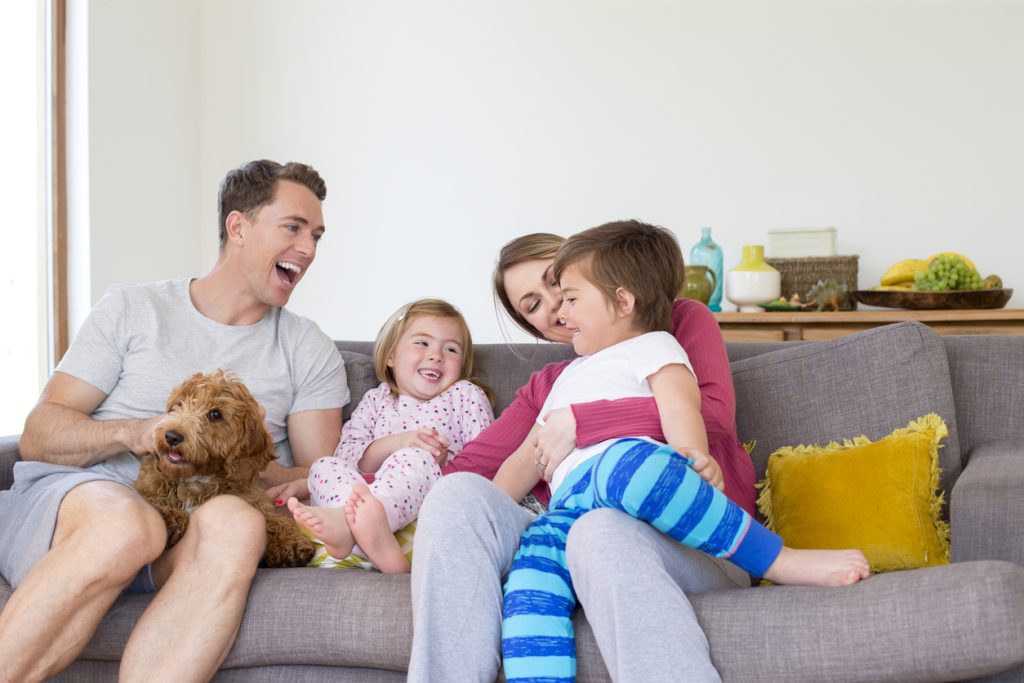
880	497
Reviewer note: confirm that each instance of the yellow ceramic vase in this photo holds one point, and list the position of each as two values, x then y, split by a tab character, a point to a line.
753	282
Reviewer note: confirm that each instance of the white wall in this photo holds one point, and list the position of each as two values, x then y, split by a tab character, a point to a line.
135	133
446	128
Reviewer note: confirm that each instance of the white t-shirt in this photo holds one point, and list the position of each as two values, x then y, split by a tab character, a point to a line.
619	371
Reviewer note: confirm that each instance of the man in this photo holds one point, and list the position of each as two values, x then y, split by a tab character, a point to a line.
74	534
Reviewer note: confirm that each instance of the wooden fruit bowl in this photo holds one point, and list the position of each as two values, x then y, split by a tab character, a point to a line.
981	298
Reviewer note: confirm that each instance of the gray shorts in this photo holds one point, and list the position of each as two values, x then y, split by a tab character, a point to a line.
28	517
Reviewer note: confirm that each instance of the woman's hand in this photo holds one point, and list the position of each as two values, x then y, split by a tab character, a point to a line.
554	440
519	472
706	466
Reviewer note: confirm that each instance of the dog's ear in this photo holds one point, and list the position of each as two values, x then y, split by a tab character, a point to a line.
255	448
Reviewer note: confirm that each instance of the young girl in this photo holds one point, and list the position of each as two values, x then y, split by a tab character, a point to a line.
618	282
425	410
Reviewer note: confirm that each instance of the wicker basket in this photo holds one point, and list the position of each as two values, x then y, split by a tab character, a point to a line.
800	274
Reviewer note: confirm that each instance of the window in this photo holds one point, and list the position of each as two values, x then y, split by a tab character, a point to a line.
28	339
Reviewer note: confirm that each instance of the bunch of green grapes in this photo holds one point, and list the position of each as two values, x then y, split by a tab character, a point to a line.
947	273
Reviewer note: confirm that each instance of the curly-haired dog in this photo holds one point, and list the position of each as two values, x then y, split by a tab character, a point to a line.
212	443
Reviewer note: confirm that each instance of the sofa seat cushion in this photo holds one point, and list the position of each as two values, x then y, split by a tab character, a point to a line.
313	618
862	384
948	623
936	624
879	497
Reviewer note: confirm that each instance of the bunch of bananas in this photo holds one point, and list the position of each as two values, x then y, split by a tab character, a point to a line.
940	272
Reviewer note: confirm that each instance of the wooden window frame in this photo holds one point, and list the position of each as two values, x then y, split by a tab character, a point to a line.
57	180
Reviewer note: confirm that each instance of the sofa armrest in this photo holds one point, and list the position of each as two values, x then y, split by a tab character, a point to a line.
987	504
9	455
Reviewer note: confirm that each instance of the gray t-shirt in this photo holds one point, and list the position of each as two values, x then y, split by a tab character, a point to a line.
140	341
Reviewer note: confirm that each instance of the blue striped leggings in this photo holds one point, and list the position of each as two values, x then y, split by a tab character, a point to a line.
647	481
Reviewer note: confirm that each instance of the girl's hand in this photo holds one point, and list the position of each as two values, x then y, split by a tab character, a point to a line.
555	439
427	438
430	440
706	466
280	494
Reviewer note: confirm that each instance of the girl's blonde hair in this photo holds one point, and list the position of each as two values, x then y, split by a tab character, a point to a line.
392	330
533	247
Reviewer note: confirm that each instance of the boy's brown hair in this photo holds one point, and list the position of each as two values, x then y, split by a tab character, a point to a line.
642	258
252	186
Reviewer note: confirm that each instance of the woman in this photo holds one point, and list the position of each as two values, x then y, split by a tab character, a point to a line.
469	530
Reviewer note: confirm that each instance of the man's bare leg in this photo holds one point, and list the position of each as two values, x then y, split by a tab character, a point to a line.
105	533
189	627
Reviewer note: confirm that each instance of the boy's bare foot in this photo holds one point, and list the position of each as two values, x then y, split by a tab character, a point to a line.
370	528
818	567
327	524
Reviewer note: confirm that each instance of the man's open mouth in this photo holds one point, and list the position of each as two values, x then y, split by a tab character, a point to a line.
288	271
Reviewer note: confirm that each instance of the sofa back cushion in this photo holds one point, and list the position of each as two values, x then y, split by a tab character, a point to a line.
361	378
742	350
504	368
988	386
867	383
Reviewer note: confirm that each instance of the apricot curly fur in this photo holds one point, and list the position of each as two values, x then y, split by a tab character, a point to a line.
213	443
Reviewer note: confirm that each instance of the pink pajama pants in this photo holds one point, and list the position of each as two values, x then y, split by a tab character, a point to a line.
401	483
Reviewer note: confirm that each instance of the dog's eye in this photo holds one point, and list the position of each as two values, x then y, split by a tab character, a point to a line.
214	416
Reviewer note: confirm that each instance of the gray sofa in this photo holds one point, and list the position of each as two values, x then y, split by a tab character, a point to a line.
956	622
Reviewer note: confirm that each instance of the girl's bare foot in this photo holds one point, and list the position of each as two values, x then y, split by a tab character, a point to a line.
327	524
370	528
818	567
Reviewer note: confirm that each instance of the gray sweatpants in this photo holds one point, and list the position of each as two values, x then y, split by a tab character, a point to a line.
626	574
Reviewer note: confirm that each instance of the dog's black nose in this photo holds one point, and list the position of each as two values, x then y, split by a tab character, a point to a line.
173	438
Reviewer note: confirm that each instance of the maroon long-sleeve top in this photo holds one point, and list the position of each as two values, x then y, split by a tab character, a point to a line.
698	333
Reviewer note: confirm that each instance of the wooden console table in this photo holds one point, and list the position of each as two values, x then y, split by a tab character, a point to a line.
813	326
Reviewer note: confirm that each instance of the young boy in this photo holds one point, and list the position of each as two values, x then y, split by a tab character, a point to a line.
618	283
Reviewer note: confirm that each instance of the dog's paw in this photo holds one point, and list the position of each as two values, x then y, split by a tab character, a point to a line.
177	523
292	552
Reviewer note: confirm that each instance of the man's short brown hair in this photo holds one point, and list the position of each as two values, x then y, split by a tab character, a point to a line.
644	259
253	185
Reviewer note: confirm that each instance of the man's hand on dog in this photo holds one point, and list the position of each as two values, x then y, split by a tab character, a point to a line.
141	439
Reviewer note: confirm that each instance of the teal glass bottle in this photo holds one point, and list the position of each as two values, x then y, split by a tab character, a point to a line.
707	253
